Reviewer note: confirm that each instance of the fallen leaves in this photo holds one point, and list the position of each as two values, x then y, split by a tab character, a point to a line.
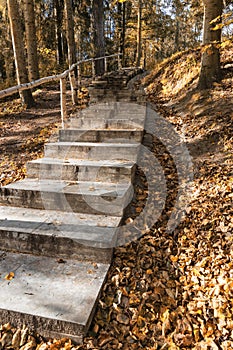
10	276
174	291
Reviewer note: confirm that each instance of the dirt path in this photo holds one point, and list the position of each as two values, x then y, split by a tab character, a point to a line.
24	132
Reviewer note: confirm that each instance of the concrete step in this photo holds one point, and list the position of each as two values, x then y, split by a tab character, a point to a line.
76	240
131	123
75	135
92	150
109	114
82	197
55	299
81	170
59	217
128	107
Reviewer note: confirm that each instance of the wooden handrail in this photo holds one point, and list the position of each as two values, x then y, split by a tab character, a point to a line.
58	77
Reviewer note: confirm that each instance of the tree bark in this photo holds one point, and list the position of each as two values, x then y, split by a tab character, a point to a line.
98	35
139	34
58	9
31	40
70	32
18	48
71	46
121	12
210	63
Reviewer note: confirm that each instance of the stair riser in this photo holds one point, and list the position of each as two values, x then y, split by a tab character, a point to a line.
88	123
102	114
79	173
25	241
48	328
69	202
91	152
100	135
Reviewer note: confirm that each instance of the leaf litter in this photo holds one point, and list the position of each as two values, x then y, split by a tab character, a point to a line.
172	291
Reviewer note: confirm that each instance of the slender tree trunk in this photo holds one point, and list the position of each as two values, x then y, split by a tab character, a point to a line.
122	29
98	34
8	52
210	63
18	48
139	34
31	40
58	9
71	46
70	32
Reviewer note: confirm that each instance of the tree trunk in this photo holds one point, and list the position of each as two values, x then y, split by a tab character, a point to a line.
18	48
31	40
98	34
121	29
210	63
58	9
71	46
70	32
139	34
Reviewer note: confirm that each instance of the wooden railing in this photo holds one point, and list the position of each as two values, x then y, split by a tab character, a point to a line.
74	81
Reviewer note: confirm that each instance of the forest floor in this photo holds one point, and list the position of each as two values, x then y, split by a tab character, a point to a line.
167	290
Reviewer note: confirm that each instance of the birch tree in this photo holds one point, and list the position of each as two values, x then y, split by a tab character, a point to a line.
71	45
139	33
19	53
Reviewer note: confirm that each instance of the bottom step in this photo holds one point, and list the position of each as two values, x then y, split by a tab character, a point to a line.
53	297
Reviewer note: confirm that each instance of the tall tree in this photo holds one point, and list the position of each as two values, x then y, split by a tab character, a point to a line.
31	39
71	45
121	13
210	63
139	34
98	34
70	32
18	48
58	13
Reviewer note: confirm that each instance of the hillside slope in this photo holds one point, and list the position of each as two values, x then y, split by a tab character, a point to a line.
175	290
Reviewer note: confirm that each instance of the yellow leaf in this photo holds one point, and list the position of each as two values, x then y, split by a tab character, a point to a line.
9	276
174	258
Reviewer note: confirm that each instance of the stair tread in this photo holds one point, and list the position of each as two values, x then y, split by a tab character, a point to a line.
82	233
48	216
59	296
72	187
95	144
85	162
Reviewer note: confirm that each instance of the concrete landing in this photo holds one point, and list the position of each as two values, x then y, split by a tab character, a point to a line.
54	298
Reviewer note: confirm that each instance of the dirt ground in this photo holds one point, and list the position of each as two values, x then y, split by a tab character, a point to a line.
23	132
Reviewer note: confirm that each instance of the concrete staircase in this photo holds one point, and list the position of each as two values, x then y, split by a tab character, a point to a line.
58	227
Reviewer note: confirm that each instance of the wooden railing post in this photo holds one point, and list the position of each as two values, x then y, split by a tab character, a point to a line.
79	77
93	68
63	100
105	65
73	87
119	62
